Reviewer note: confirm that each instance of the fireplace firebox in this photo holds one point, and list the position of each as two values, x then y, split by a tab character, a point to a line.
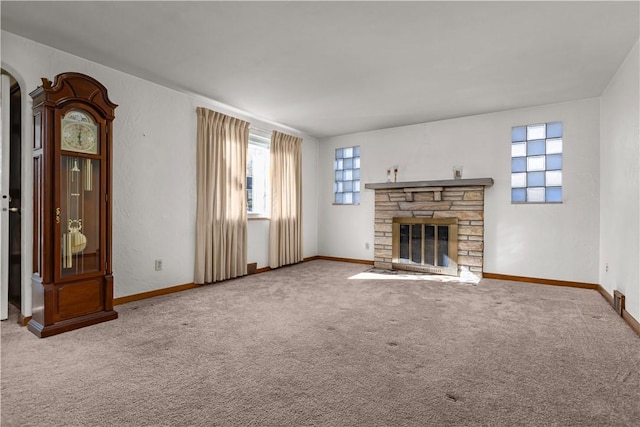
428	245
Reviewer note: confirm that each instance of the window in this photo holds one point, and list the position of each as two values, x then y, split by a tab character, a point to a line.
536	163
347	176
258	164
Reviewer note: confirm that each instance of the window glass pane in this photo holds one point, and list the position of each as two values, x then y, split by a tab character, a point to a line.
519	164
348	152
535	194
258	166
338	175
348	175
536	132
356	174
554	146
339	197
518	134
518	180
554	162
356	185
535	163
348	198
348	186
339	153
554	194
518	150
348	163
535	179
356	151
554	178
356	197
554	130
519	195
356	162
339	187
535	148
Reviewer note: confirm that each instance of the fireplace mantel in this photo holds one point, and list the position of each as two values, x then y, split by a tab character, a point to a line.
487	182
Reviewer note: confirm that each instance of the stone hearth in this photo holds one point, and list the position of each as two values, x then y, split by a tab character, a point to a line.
458	198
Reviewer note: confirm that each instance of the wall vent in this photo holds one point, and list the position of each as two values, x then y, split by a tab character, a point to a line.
252	267
618	302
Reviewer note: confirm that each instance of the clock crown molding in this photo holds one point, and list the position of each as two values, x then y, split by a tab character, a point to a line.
70	87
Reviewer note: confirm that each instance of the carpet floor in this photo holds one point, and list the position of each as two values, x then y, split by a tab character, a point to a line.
321	344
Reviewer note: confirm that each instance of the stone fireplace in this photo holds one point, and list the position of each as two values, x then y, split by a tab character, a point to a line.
430	226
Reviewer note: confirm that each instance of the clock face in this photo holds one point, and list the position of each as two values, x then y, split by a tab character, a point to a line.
79	133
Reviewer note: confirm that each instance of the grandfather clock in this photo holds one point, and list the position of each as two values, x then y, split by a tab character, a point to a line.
72	281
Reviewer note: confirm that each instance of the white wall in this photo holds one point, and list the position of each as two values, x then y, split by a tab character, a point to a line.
552	241
620	184
154	183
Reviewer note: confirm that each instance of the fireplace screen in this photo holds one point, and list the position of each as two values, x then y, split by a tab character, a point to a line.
428	245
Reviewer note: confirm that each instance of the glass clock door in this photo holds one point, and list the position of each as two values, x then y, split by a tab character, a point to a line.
79	215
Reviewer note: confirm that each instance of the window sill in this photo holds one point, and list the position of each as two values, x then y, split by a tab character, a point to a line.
536	203
257	217
346	204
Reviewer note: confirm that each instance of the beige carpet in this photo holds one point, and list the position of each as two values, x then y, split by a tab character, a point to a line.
311	345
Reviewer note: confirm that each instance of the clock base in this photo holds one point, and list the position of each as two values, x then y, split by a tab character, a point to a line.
67	306
70	324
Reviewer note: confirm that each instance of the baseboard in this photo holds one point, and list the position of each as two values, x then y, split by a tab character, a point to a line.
540	281
631	321
23	320
154	293
606	295
626	316
331	258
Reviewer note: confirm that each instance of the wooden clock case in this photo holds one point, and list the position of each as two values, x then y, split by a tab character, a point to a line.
72	283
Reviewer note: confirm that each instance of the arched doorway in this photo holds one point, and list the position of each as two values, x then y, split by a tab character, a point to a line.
11	194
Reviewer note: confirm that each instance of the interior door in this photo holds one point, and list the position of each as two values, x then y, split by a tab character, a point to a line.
5	99
15	198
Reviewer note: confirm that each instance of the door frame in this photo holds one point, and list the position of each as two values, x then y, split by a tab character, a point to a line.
26	242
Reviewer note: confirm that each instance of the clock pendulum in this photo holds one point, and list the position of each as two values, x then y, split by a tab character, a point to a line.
74	241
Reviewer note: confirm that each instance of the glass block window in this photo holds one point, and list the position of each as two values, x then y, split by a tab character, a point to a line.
536	163
346	166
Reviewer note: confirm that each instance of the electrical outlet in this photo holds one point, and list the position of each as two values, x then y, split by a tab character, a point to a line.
158	264
606	267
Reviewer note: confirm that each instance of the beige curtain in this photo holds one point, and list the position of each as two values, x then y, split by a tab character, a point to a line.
221	215
285	231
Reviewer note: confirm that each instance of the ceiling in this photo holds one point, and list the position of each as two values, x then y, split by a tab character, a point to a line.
332	68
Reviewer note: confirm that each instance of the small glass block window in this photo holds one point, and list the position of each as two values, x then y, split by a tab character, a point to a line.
536	163
346	169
